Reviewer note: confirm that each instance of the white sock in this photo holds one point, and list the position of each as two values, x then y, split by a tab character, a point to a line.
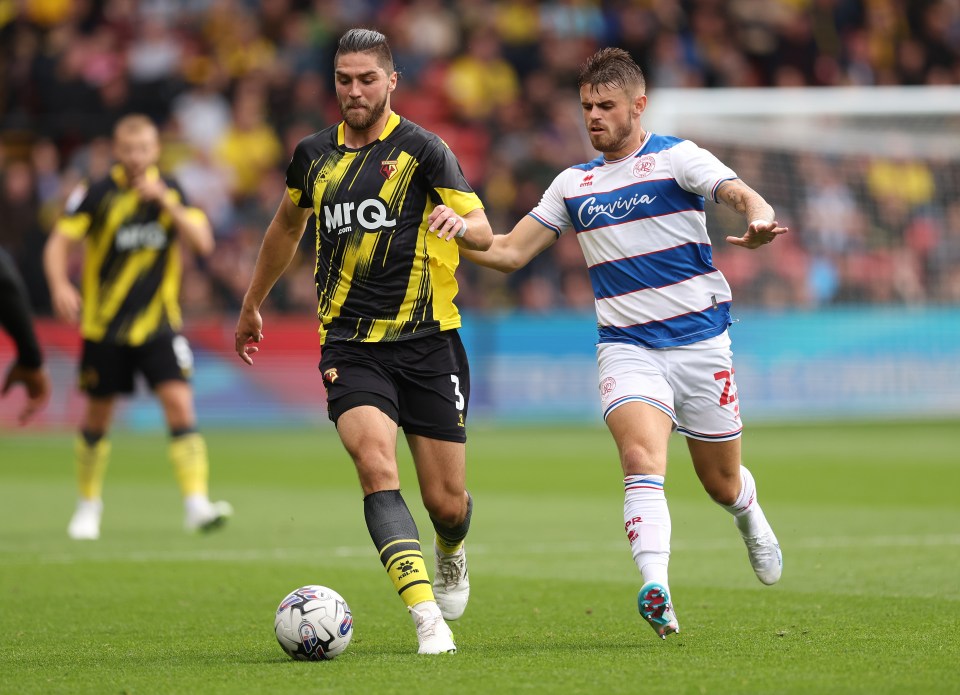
745	509
647	523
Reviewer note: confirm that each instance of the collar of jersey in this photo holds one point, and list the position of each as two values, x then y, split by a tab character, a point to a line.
120	176
392	122
646	139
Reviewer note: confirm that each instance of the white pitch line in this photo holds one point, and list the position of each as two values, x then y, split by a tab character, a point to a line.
315	553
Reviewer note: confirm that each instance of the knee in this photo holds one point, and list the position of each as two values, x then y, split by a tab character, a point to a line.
180	416
376	472
723	488
637	459
446	507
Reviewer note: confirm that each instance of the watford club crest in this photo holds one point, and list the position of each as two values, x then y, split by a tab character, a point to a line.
330	375
389	168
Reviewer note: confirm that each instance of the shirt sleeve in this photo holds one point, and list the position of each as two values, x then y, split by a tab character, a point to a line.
445	178
78	213
698	170
551	211
15	314
298	178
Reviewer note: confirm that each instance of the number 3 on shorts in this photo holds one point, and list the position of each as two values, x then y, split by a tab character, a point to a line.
456	391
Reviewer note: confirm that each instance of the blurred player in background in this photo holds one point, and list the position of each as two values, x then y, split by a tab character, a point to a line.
391	355
133	223
28	368
662	310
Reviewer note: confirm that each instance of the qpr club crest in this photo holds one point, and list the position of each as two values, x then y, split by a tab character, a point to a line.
643	167
606	387
389	168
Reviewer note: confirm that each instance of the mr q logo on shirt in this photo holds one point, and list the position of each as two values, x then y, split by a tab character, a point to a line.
371	215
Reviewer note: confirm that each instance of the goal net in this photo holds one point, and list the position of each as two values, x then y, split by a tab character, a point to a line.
868	180
865	289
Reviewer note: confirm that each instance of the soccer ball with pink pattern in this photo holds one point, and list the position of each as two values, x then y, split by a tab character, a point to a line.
313	623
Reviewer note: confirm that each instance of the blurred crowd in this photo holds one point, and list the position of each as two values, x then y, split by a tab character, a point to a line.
235	84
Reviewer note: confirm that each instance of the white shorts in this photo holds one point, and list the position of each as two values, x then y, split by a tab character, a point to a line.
693	384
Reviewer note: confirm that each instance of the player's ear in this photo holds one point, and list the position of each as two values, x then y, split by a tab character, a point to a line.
392	81
640	104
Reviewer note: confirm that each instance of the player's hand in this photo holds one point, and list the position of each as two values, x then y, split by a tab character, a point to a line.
249	330
37	383
150	190
446	223
66	302
759	232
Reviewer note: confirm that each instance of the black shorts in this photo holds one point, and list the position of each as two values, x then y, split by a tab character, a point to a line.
107	368
422	384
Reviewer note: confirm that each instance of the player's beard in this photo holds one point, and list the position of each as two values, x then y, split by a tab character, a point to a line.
612	141
363	120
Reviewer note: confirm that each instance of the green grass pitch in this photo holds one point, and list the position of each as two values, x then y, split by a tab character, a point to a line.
868	516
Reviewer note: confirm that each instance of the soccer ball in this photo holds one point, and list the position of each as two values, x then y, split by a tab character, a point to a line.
313	623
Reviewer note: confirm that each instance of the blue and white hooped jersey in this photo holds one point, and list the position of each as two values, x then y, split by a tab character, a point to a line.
641	224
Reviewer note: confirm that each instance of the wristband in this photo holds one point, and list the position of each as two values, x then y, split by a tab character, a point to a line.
462	230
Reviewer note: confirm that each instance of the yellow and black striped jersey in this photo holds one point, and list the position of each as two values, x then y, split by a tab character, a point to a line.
380	276
131	270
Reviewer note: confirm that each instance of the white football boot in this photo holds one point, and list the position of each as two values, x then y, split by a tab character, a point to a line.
432	632
85	523
451	584
763	549
204	515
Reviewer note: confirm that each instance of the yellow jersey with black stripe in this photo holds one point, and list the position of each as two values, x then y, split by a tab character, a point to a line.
131	270
380	275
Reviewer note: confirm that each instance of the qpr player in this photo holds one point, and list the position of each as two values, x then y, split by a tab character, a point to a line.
662	309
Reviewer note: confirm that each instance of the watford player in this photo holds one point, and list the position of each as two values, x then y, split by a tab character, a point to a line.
391	356
132	224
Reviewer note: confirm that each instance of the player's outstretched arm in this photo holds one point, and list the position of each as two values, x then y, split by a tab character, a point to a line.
510	252
278	249
763	227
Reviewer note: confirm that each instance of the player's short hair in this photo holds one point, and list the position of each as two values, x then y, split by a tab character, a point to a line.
613	67
133	123
366	41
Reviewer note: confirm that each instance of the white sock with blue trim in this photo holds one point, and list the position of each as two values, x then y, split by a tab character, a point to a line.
647	524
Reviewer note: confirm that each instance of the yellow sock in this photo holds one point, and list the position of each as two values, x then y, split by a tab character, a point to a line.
188	453
446	547
404	564
91	467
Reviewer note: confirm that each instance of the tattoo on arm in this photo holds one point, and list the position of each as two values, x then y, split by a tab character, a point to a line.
740	198
732	194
